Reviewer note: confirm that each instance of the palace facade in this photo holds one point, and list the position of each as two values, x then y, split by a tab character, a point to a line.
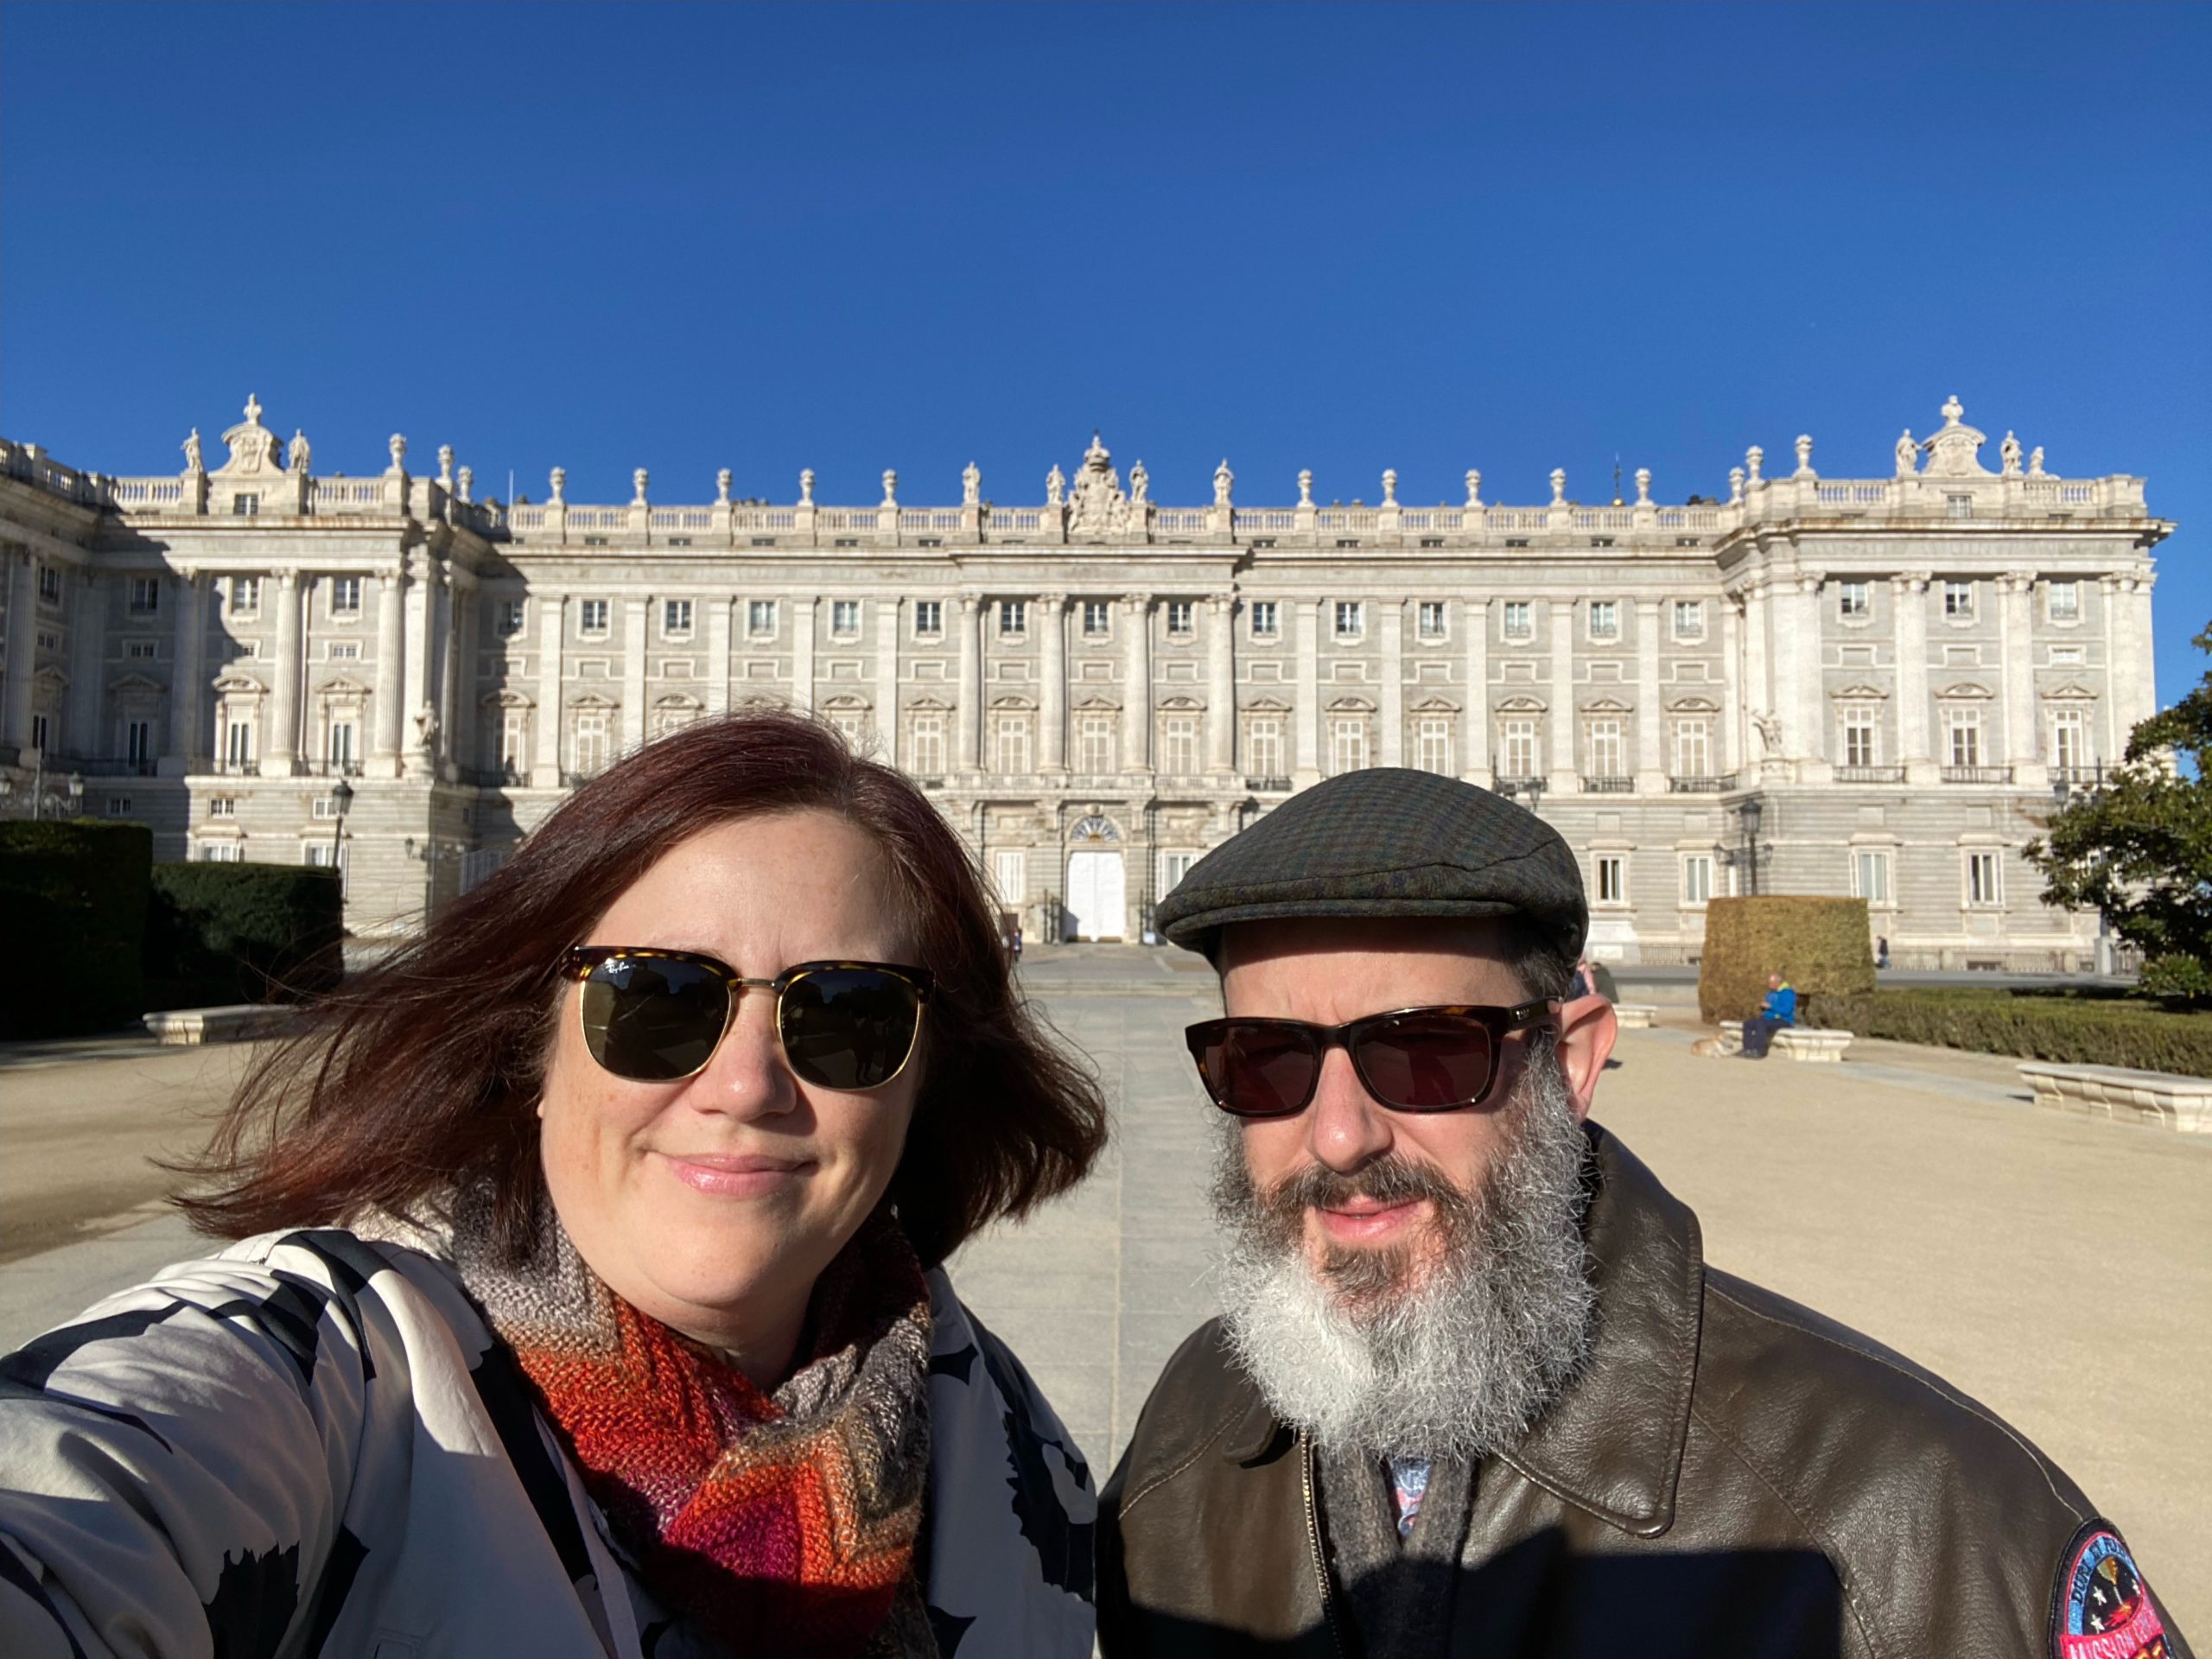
1870	685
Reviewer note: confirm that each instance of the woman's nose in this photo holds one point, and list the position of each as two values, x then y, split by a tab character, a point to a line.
748	1076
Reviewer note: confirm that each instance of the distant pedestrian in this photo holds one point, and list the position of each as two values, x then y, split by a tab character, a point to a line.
1881	951
1779	1009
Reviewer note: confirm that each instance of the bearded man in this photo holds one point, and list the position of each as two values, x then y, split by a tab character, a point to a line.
1474	1391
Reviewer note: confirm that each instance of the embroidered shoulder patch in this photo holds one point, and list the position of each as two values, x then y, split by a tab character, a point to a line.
2100	1608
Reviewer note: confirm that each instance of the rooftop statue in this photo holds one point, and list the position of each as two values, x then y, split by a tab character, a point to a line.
1908	455
1098	508
300	455
192	460
1222	481
971	485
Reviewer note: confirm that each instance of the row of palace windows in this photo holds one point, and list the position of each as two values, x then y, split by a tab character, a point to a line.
2061	601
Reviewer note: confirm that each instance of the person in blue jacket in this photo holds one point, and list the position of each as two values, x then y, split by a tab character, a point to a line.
1779	1009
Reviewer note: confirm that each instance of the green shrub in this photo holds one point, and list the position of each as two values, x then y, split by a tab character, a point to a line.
2034	1026
1819	945
222	933
74	896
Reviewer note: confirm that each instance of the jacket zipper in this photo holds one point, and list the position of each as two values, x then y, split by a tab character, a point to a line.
1313	1538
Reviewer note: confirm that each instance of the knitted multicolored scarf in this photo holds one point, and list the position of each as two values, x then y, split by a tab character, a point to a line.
781	1523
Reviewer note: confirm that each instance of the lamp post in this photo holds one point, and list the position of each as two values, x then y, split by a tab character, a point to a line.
341	798
1749	815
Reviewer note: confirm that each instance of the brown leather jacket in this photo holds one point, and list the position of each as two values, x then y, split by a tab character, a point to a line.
1732	1474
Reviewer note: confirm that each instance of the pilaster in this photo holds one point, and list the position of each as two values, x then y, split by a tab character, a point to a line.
390	680
188	674
1564	778
1221	683
552	622
802	610
968	719
1650	763
1136	710
637	628
1306	617
1053	694
887	681
421	706
22	647
1474	617
1909	592
720	621
1392	702
2023	744
279	753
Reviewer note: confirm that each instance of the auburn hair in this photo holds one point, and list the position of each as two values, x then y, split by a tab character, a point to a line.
422	1074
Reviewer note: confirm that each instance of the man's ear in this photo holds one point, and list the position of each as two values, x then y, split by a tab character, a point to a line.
1587	1028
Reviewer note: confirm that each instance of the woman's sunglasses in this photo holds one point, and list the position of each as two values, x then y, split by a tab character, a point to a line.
658	1016
1412	1060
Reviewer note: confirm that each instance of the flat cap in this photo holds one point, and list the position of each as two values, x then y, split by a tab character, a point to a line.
1383	842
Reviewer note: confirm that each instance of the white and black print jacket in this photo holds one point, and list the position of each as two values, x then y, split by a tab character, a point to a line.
309	1443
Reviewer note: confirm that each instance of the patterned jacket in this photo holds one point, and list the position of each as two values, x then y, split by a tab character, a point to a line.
310	1444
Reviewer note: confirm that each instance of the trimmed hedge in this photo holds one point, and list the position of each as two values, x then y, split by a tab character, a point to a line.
222	933
1819	945
74	896
2035	1026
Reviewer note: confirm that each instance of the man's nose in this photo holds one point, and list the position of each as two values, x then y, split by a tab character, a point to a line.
1346	1127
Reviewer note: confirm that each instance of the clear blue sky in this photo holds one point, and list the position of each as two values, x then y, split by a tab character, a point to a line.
857	237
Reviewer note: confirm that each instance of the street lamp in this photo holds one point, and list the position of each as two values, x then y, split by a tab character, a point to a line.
76	794
341	800
1749	815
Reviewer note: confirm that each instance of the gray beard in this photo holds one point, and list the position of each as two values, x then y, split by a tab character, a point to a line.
1451	1353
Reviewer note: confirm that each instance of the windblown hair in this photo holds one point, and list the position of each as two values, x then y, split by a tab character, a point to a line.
422	1075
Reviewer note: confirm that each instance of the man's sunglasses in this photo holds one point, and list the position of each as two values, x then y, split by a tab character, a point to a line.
658	1016
1412	1060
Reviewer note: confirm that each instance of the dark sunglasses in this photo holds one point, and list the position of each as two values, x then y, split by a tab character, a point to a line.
658	1016
1411	1060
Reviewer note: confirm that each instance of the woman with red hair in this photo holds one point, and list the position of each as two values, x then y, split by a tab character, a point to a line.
588	1295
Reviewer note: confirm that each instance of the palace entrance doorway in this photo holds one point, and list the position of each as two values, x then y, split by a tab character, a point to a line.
1097	881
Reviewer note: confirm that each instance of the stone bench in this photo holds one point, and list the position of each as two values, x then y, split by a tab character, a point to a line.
1636	1016
2164	1098
240	1022
1811	1043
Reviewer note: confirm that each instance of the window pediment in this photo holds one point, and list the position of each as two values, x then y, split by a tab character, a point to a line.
1965	691
1861	692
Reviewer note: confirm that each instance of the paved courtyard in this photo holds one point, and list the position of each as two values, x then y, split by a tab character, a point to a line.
2057	1268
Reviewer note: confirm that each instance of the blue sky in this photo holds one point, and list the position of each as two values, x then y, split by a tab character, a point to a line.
856	236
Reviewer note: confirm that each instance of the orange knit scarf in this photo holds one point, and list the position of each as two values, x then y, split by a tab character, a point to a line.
781	1523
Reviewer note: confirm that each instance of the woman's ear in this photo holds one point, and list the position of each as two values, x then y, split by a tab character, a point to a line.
1587	1028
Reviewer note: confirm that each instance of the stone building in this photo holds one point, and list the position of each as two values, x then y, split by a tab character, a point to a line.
1864	685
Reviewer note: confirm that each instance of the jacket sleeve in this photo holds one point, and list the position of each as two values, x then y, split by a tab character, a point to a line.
174	1463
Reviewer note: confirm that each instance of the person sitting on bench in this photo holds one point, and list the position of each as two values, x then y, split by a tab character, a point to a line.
1779	1009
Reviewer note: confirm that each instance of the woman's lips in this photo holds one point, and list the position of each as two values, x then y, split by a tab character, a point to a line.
724	1175
1363	1221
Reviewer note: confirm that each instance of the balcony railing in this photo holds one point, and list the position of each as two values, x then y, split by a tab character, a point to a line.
1870	774
1512	786
1700	783
1977	774
2079	777
333	769
1608	783
493	776
1266	785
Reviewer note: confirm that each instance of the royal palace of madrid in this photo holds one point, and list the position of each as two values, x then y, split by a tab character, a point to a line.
1874	685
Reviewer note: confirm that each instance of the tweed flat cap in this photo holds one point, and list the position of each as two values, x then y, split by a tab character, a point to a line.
1383	842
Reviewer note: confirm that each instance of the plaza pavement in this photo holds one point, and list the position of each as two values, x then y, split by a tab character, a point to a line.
2057	1269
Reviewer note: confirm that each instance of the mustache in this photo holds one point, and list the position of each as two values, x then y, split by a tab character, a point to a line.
1278	1213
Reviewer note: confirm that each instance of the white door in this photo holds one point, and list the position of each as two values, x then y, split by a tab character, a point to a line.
1096	895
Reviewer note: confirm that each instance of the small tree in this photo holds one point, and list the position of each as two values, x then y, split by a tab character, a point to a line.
2139	849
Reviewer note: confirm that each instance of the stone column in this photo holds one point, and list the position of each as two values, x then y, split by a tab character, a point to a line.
803	653
1053	695
1391	705
1758	687
1221	683
1731	684
968	727
1908	593
280	751
637	624
1812	679
2016	634
1783	643
552	622
422	607
1136	710
450	730
1650	720
719	613
1474	616
22	647
391	679
1565	777
1307	716
188	674
2145	703
87	680
887	681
